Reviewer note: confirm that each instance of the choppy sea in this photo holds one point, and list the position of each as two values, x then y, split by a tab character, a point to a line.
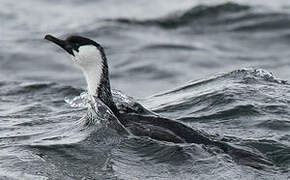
220	67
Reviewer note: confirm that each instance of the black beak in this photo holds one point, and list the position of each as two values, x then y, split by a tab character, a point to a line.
63	44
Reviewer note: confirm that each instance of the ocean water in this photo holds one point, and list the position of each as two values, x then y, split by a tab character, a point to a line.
220	67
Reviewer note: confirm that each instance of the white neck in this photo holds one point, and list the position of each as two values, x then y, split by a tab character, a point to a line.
90	62
93	78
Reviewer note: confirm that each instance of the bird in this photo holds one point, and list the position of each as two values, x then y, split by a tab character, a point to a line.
89	56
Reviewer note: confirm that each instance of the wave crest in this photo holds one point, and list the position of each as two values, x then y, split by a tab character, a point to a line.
194	14
222	17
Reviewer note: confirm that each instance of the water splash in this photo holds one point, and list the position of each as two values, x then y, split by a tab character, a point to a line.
268	76
123	102
128	104
256	74
98	112
81	101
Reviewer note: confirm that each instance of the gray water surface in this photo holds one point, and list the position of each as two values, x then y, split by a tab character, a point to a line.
220	67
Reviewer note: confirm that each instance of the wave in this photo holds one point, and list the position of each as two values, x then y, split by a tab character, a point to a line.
194	14
16	87
257	75
227	17
102	113
243	106
238	101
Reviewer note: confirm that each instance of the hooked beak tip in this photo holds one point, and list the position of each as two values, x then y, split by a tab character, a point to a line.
60	43
51	38
47	36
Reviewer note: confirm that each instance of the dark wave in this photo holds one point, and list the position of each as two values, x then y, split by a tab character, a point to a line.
234	112
275	124
278	152
239	75
252	99
167	47
195	14
260	22
226	17
16	88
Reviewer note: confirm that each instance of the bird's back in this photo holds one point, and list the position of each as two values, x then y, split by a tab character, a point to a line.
162	129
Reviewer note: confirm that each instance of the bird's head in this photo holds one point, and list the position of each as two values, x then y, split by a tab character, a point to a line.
84	52
90	57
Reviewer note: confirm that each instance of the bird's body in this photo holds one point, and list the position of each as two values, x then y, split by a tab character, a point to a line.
90	57
161	129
